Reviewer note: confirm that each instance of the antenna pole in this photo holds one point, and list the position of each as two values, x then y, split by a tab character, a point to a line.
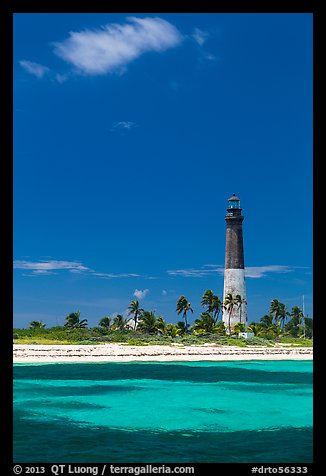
304	325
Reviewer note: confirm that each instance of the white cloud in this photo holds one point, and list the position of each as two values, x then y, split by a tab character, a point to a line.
45	267
38	272
39	267
164	292
189	273
260	271
123	125
35	69
250	271
140	294
209	56
205	270
106	50
111	275
199	36
43	271
61	78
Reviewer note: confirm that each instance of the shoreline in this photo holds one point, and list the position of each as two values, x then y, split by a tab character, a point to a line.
28	353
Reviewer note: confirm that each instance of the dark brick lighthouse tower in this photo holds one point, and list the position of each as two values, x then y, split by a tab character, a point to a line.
234	273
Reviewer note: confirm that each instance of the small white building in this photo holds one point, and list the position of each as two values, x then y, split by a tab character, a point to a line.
246	335
130	324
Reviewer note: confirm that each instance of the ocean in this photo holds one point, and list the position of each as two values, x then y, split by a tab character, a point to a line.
163	412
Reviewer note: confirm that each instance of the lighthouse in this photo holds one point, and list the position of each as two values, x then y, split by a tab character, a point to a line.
234	273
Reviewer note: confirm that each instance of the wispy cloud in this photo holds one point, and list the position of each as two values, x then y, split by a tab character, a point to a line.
61	78
121	275
39	272
140	294
35	69
209	56
46	267
261	271
43	267
199	36
204	270
113	46
190	273
123	126
250	271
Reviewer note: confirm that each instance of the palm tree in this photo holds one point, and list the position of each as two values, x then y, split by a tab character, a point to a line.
266	320
183	306
208	300
105	322
240	302
266	326
294	327
254	327
283	314
135	310
206	324
37	325
220	328
119	322
161	325
274	330
148	323
239	327
308	327
278	311
73	321
217	307
296	313
229	304
182	328
212	302
172	330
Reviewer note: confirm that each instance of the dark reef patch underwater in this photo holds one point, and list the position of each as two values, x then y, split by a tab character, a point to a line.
231	412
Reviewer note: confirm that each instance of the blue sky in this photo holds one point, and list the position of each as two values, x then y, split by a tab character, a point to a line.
130	134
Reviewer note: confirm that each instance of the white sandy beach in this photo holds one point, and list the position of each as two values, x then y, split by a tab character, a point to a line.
163	353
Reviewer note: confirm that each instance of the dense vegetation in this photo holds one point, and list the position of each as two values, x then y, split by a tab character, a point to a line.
143	327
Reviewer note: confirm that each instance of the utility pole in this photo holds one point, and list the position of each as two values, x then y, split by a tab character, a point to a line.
304	324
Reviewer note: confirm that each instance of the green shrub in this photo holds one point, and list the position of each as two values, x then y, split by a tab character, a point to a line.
270	337
191	340
258	341
299	341
289	340
52	334
99	331
136	342
102	339
232	341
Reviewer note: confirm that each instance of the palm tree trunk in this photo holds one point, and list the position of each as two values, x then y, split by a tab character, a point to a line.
186	322
135	319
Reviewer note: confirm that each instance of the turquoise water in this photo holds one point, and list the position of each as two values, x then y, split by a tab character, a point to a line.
258	411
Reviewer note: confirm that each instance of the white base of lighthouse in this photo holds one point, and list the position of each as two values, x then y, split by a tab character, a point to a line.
235	283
